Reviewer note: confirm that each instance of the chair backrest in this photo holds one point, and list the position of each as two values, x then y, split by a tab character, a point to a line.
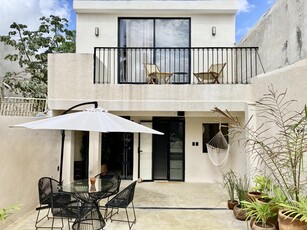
46	186
124	198
151	68
217	68
114	178
64	205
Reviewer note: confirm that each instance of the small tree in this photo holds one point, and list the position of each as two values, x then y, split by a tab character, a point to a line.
32	49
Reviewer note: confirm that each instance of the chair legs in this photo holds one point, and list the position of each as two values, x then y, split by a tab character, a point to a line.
46	216
130	222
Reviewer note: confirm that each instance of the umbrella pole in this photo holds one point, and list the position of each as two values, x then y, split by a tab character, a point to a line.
63	136
62	155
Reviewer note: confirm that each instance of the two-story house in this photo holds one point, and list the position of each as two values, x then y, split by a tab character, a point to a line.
164	64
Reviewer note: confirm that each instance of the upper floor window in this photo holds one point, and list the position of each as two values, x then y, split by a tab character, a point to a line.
162	32
157	41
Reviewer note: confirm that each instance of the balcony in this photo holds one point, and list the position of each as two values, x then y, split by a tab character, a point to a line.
114	65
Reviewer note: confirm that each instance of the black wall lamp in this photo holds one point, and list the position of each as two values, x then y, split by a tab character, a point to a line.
213	30
96	31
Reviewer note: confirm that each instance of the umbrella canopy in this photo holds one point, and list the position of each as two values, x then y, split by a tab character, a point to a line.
95	119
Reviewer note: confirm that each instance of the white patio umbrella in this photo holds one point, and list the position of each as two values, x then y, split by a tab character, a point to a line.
94	119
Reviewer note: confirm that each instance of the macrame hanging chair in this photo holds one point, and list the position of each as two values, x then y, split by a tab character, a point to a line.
218	149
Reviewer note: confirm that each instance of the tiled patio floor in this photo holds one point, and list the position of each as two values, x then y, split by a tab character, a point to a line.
167	206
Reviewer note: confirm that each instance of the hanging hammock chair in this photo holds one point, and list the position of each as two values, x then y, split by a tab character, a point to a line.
218	149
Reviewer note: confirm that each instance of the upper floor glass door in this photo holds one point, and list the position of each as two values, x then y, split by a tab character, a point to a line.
160	41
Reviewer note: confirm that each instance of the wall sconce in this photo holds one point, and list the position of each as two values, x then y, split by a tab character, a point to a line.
213	30
96	31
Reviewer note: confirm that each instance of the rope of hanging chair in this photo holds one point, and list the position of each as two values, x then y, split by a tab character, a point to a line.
218	149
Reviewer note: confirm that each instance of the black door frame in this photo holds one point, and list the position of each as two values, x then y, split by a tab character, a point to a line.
169	119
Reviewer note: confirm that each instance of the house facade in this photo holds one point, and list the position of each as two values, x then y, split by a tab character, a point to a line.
166	65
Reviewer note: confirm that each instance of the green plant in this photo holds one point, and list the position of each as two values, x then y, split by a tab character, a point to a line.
278	143
241	187
261	212
229	183
5	212
262	184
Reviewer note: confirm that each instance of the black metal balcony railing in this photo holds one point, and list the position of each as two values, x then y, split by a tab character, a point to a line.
113	65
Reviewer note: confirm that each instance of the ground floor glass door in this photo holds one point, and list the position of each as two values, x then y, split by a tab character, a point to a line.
168	149
117	153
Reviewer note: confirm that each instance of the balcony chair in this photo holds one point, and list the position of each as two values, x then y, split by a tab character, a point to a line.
122	200
46	187
212	76
155	76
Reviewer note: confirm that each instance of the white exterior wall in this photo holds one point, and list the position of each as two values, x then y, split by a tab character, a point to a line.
203	14
198	167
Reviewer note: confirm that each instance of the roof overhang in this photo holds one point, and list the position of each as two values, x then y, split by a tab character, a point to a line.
151	6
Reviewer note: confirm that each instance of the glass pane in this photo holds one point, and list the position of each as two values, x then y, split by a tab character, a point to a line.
135	33
176	151
160	151
173	33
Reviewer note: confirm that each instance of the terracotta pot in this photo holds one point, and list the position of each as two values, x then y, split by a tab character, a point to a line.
290	224
239	213
252	196
231	204
258	226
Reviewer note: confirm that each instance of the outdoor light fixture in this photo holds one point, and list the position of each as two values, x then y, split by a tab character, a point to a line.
213	30
96	31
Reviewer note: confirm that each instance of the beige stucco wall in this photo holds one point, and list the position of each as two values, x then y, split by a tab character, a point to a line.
292	78
280	34
72	83
26	155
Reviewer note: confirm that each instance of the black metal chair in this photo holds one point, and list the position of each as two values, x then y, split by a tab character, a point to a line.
46	187
116	181
65	206
110	177
122	200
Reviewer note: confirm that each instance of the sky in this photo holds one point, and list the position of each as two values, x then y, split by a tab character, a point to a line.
28	12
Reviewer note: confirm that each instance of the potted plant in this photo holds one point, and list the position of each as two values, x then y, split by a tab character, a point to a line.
262	186
241	188
261	213
278	145
229	183
293	215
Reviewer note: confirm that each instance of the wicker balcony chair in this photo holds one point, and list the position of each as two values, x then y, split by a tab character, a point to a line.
212	76
155	76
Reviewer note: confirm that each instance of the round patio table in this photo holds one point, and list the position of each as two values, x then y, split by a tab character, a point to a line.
89	195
